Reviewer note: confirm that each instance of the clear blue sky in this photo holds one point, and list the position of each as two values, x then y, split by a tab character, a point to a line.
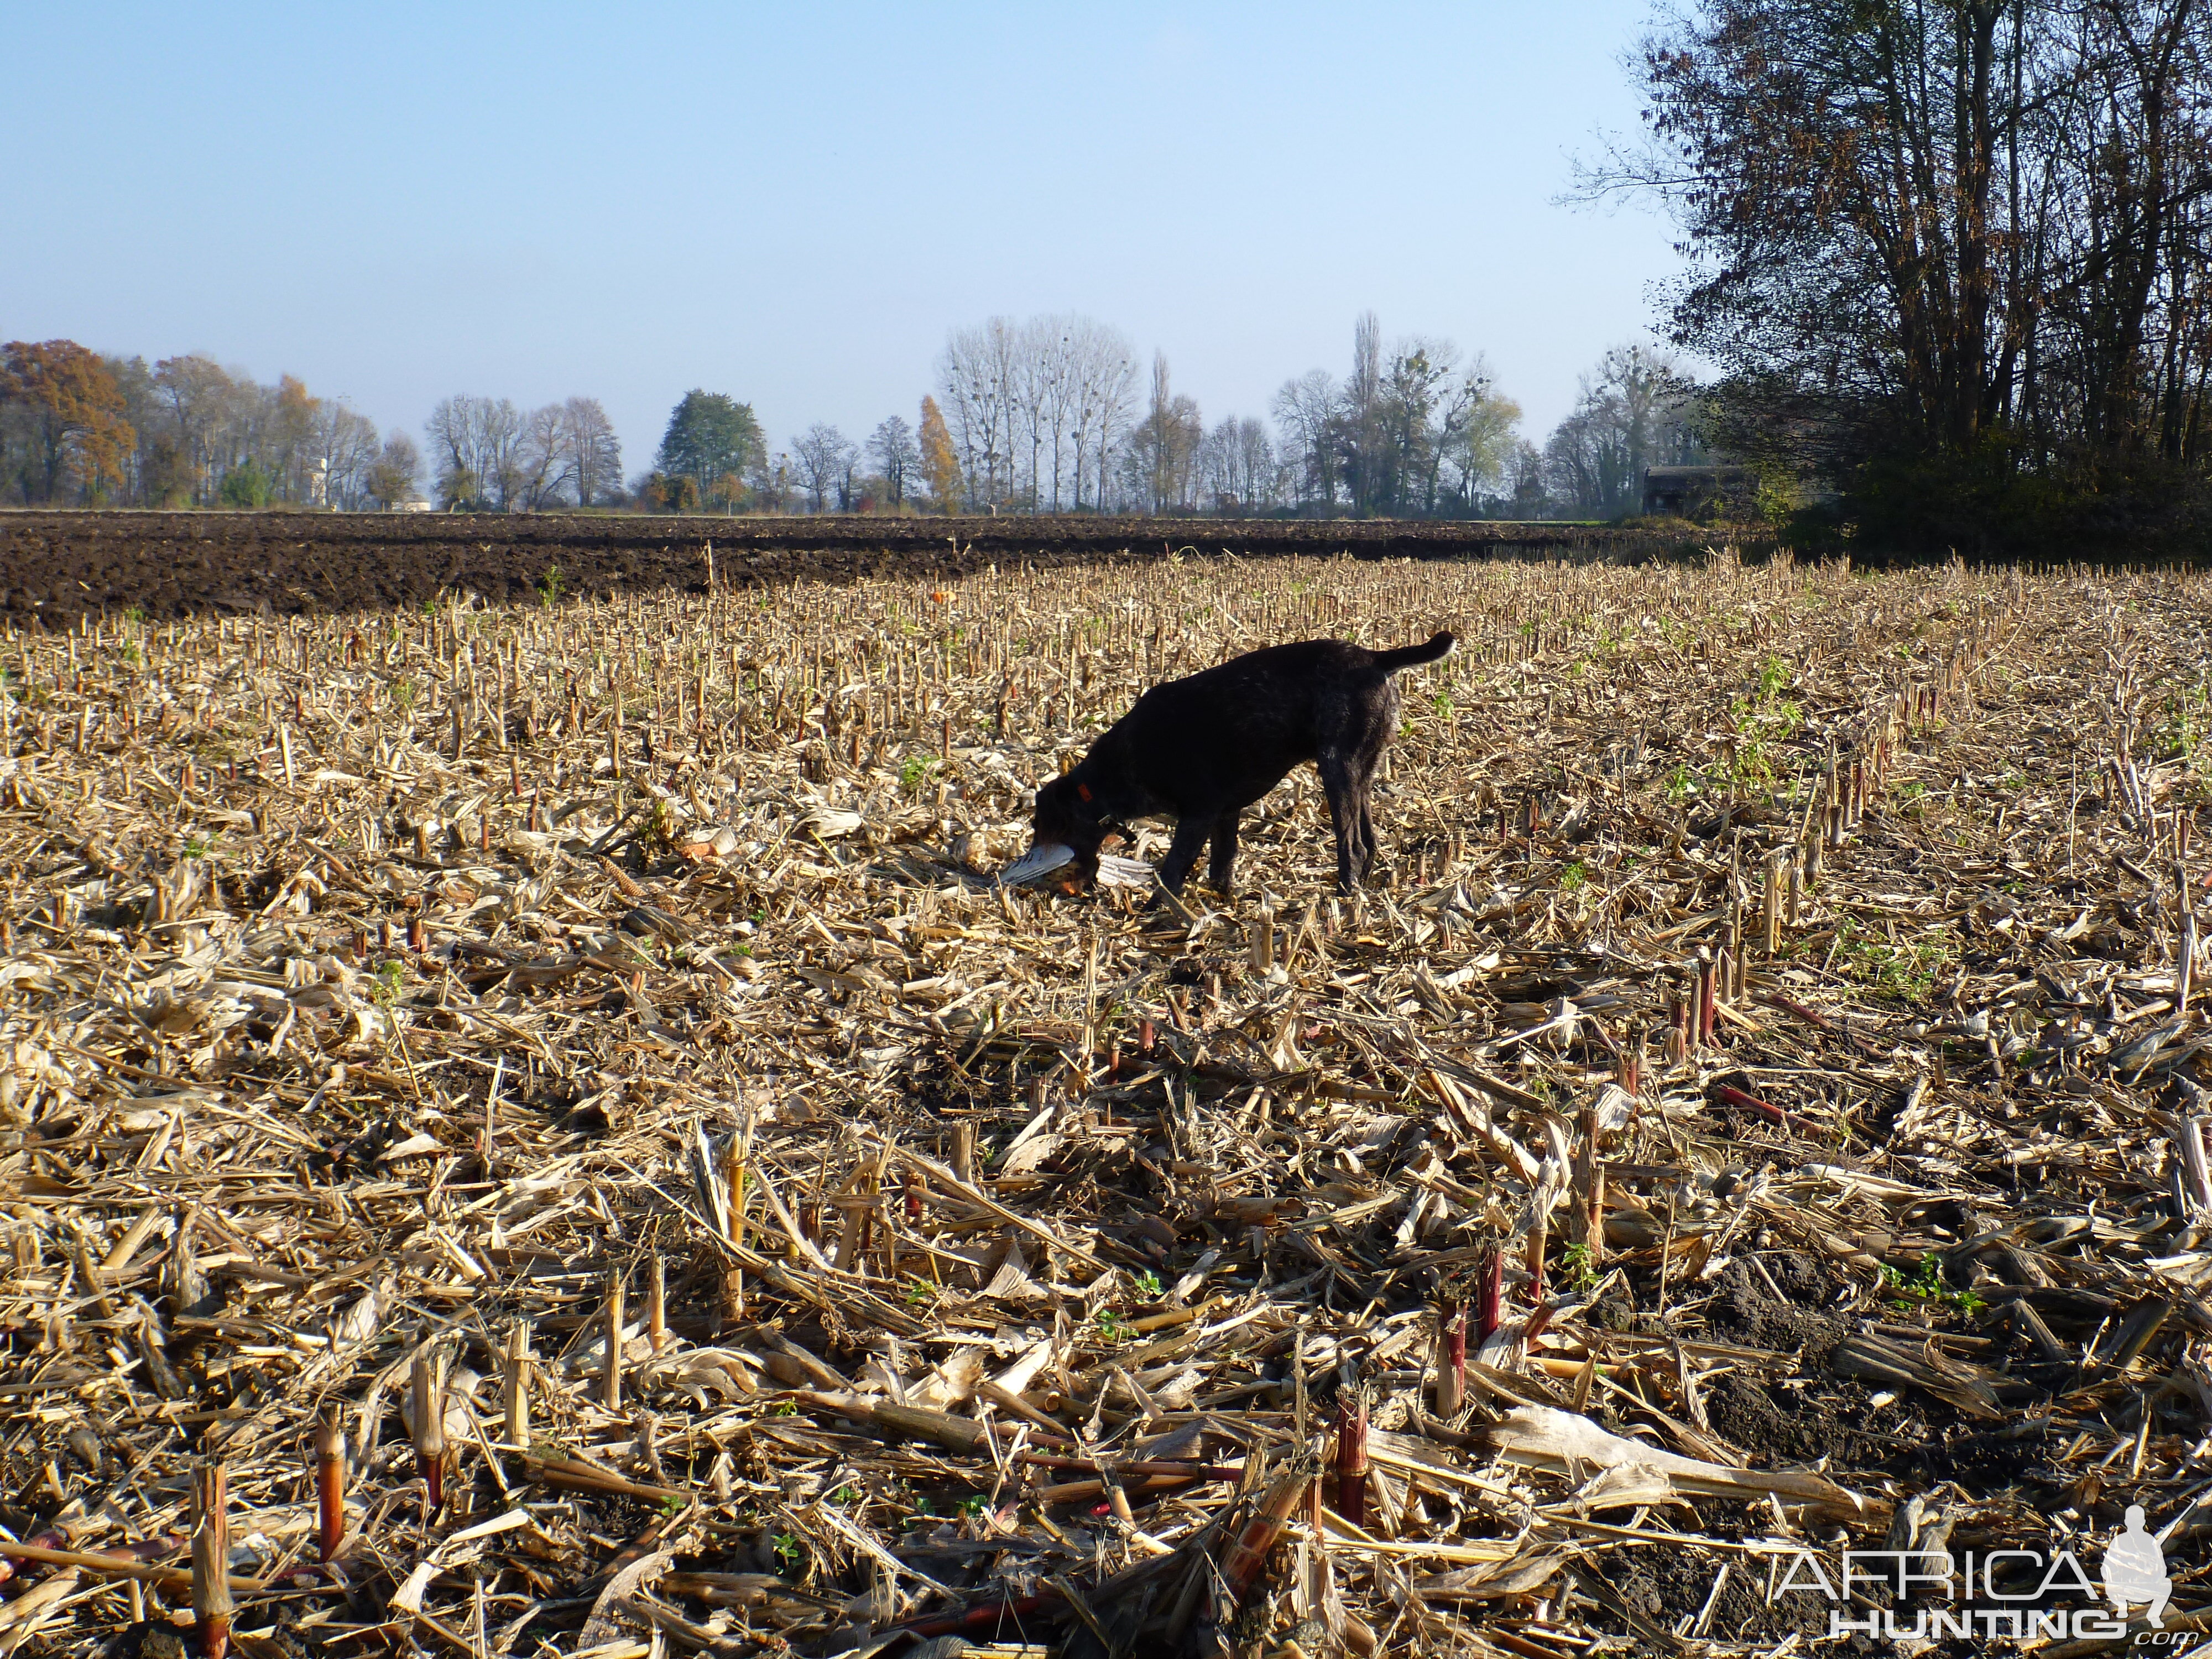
794	204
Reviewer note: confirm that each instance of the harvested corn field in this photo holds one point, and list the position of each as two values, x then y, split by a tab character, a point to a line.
530	1129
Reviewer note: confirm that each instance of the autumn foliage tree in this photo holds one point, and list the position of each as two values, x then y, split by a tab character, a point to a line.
63	429
940	463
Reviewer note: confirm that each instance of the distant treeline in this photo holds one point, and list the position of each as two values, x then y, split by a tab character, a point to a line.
1047	416
80	428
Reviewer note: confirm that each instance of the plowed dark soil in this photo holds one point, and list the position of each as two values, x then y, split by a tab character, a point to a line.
57	565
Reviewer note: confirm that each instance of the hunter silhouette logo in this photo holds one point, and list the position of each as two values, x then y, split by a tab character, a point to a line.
2135	1569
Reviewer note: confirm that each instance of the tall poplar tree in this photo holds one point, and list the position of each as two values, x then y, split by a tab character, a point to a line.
940	463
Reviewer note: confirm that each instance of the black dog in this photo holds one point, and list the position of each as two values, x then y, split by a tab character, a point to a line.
1205	748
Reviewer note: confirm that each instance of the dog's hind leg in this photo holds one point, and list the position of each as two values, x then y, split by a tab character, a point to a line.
1366	761
1188	842
1340	783
1221	868
1366	823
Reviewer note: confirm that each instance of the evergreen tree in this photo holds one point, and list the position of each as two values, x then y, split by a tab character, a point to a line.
710	438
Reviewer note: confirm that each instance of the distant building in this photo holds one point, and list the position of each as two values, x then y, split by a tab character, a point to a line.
1700	492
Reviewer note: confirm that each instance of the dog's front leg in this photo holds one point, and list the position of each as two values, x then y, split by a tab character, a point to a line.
1221	867
1182	852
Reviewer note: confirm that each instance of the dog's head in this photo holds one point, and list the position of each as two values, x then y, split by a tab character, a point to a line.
1067	828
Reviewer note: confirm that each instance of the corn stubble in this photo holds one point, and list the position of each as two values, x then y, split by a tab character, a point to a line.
532	1128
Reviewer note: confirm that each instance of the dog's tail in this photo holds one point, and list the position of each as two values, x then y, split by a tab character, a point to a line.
1412	656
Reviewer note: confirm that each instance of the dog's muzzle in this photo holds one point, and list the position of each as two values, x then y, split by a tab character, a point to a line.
1040	859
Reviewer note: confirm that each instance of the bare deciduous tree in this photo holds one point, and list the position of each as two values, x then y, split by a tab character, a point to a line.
1035	407
976	374
825	459
1477	454
540	459
200	398
1634	411
478	442
1163	445
891	447
1236	461
392	479
1103	370
591	453
344	443
1306	413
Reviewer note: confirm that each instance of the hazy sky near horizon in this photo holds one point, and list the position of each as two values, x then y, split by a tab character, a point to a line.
794	205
